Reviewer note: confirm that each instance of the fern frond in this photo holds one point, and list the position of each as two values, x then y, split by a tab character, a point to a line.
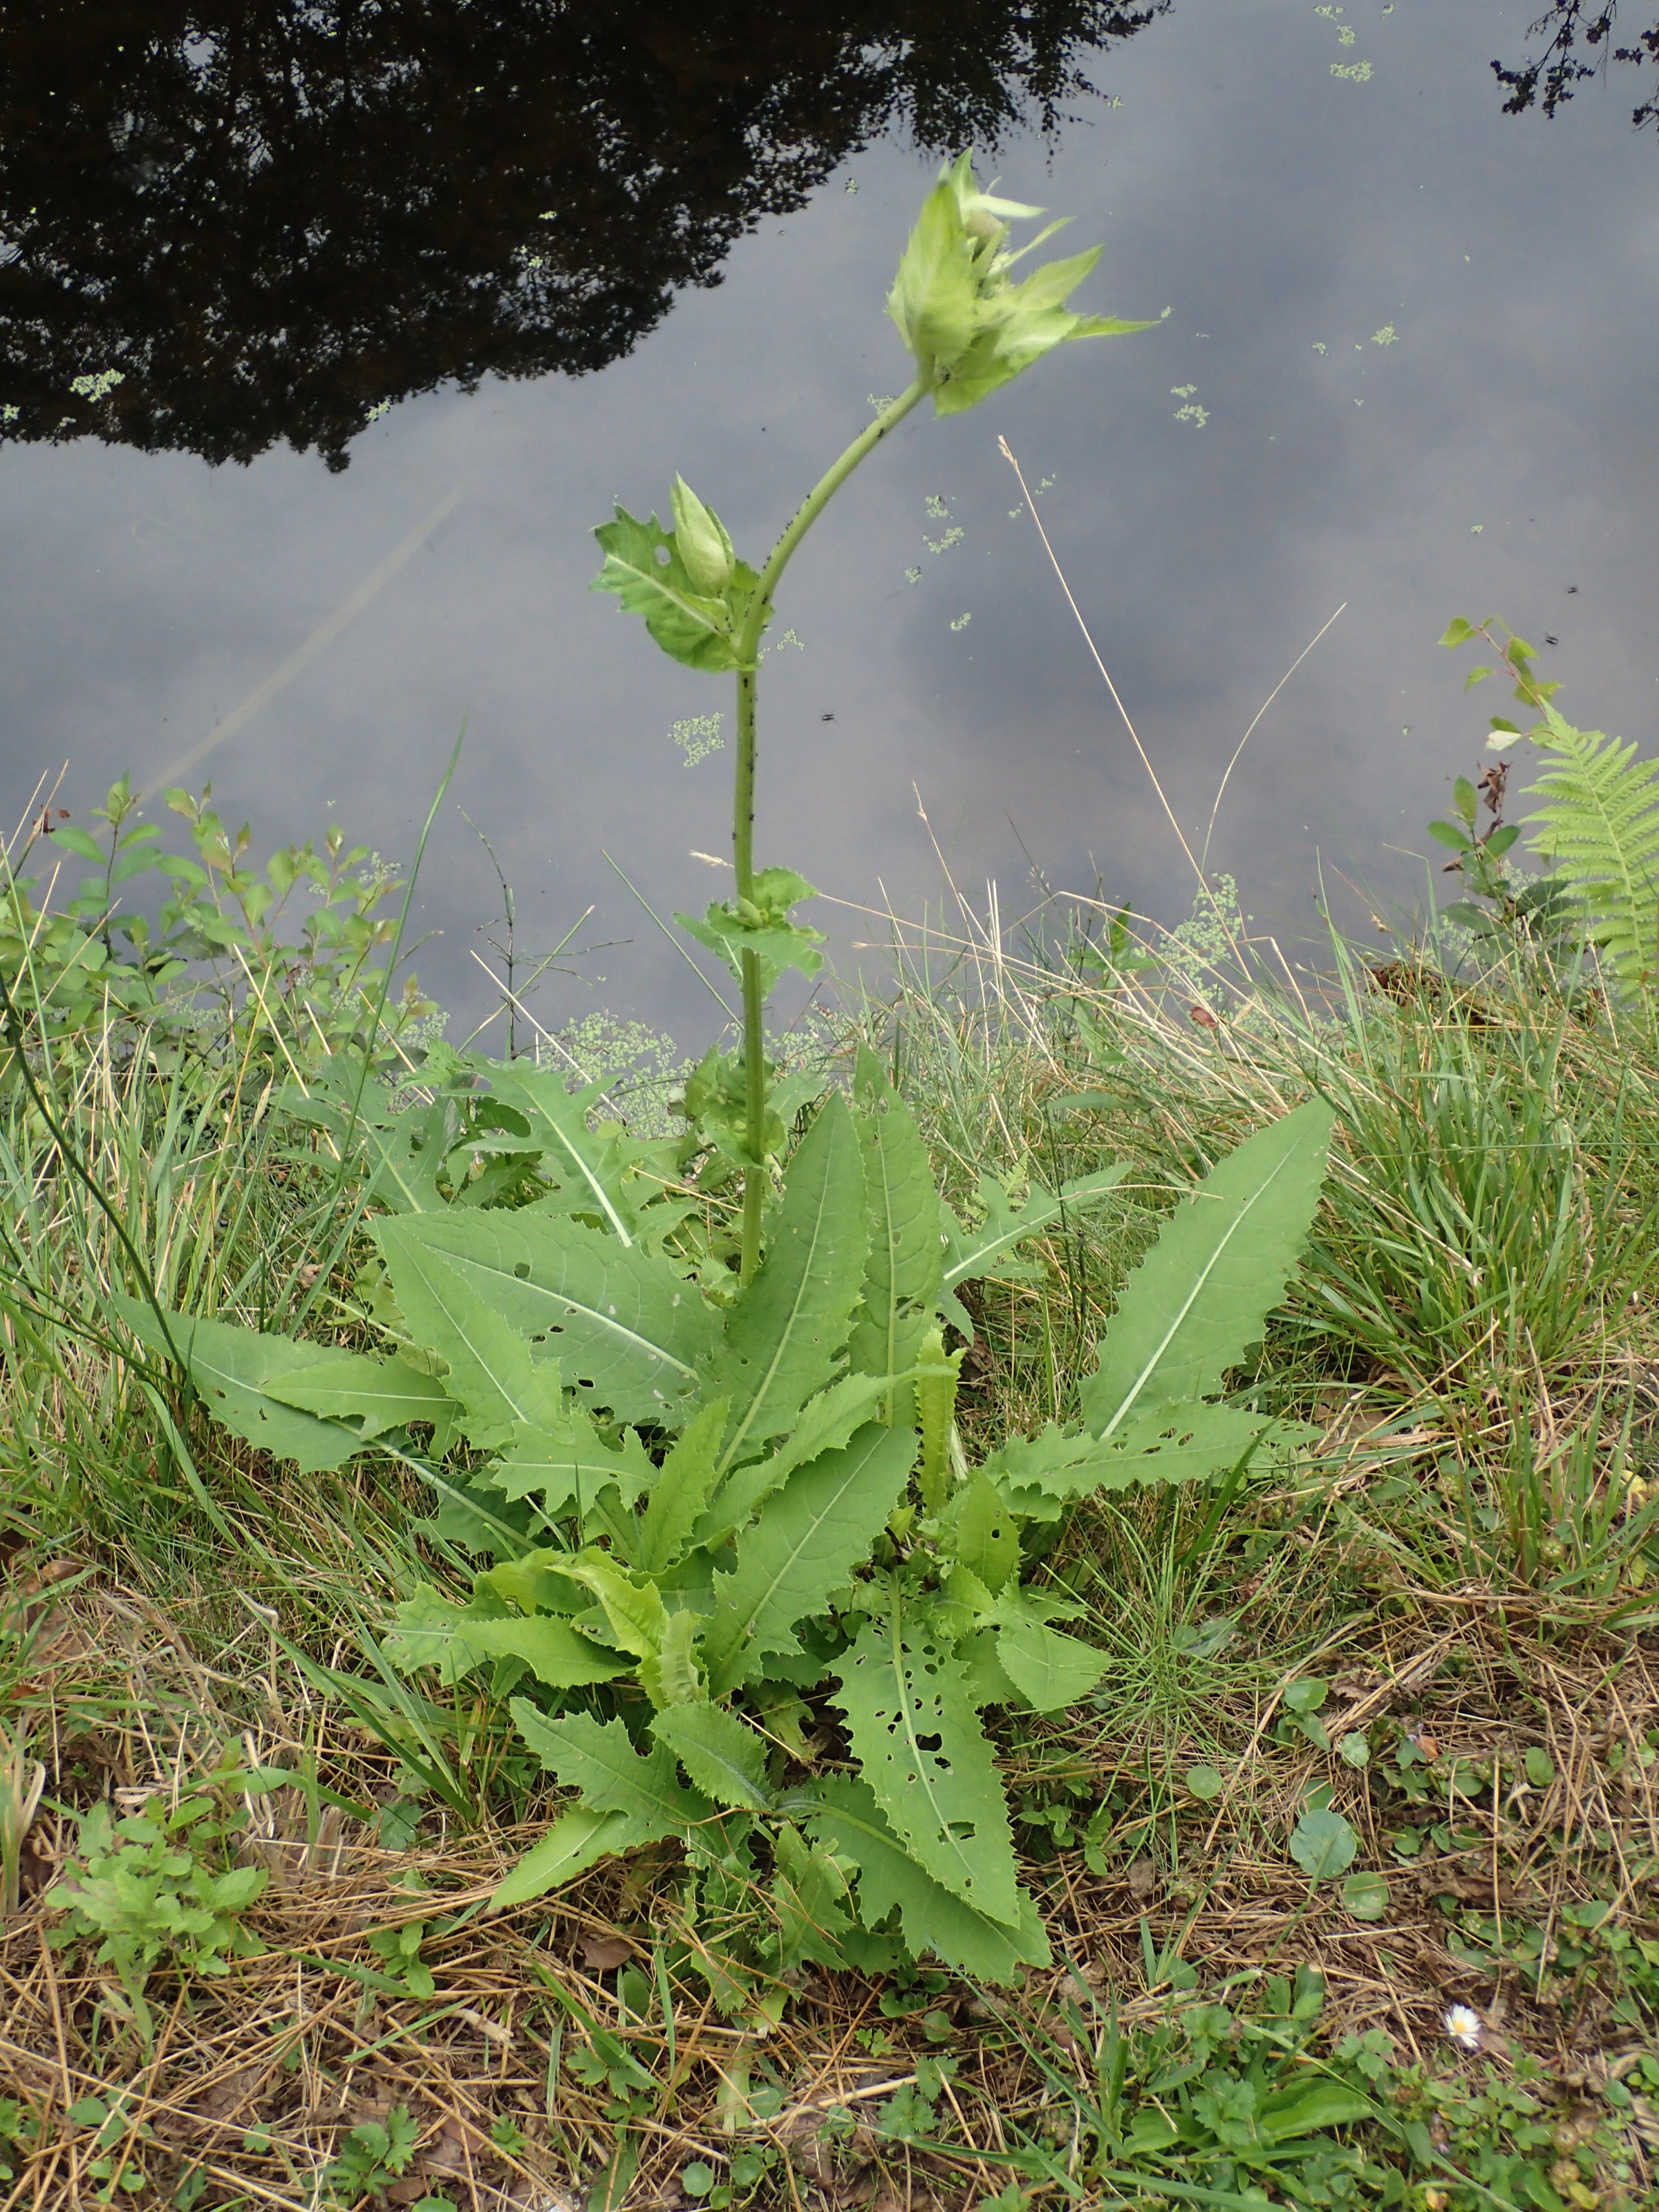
1598	821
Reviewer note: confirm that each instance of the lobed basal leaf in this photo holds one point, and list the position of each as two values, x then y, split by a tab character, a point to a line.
923	1753
786	1329
600	1763
844	1815
1202	1296
801	1550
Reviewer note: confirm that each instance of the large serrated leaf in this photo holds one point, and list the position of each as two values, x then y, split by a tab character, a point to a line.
491	1369
601	1764
1202	1295
578	1839
789	1326
403	1153
724	1758
827	1422
432	1633
805	1543
810	1902
377	1394
403	1158
591	1170
673	1676
628	1329
231	1367
922	1752
1186	1442
1162	1443
632	1605
680	1490
844	1815
989	1249
907	1252
566	1462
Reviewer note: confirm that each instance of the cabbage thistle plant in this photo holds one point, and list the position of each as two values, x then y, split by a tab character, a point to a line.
730	1560
970	329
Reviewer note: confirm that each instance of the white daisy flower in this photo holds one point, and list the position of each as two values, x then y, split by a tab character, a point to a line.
1464	2026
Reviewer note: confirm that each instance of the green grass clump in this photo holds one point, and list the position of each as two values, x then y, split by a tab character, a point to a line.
1376	1733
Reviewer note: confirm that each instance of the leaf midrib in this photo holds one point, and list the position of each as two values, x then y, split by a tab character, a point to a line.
523	1285
923	1771
786	1335
744	1623
1244	1211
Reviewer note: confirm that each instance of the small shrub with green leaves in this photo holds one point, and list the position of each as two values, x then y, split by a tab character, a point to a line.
745	1590
1597	826
20	2129
157	1888
373	2154
213	964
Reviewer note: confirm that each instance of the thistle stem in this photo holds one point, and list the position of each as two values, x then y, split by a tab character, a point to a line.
743	817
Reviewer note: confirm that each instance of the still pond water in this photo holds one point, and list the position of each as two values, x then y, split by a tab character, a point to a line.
402	298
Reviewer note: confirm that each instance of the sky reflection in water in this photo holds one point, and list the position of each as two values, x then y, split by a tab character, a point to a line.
1409	367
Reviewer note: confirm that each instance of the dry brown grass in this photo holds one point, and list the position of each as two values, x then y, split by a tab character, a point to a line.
256	2078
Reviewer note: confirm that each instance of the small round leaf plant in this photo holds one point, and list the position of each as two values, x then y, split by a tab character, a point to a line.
970	328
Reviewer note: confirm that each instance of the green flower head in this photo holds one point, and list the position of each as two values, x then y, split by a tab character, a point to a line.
970	328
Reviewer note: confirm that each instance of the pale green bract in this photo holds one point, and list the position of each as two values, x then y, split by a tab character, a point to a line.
645	568
969	328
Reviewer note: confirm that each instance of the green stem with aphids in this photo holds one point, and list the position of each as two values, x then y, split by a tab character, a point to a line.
743	815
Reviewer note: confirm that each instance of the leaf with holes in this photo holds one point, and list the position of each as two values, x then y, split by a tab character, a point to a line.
1166	1444
1202	1295
787	1330
644	568
801	1550
919	1743
982	1532
377	1394
844	1815
491	1369
629	1330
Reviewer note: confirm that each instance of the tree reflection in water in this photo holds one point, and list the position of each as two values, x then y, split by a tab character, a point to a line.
222	225
1580	37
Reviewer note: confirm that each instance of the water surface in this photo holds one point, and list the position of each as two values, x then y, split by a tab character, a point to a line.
1408	369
